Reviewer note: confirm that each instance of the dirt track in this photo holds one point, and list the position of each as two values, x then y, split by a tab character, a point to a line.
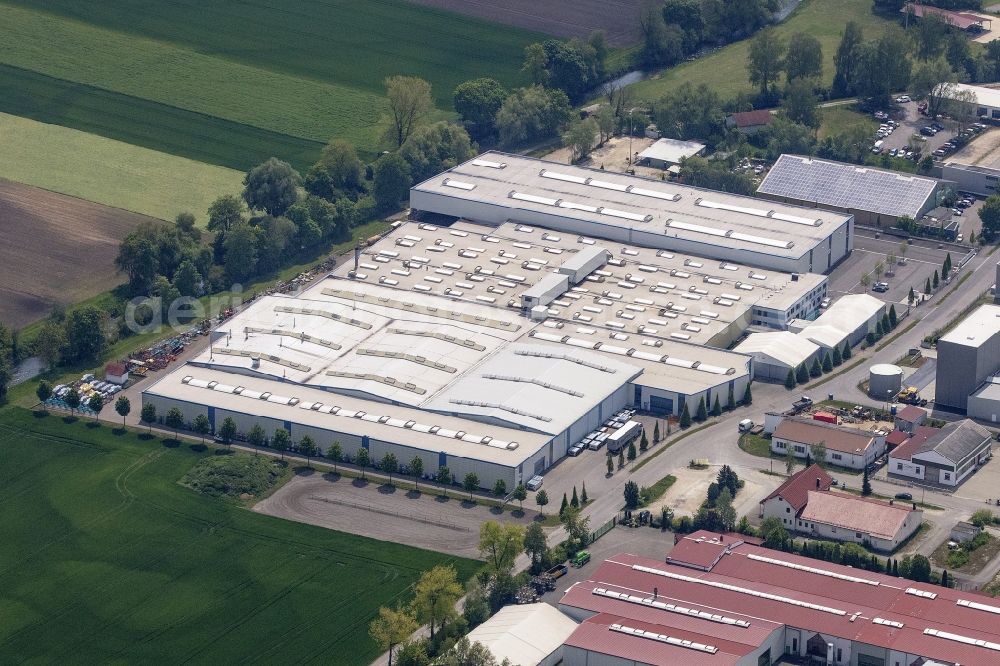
619	19
56	249
399	515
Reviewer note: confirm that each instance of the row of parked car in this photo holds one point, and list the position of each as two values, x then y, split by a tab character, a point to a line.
86	387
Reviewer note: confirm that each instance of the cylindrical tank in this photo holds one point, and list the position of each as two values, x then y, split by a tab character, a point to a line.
884	381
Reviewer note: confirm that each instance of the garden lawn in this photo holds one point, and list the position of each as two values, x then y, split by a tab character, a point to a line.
106	558
837	119
110	172
724	71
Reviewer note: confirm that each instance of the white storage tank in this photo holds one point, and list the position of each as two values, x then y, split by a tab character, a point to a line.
884	380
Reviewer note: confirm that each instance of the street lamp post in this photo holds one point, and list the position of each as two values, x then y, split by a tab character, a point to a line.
630	132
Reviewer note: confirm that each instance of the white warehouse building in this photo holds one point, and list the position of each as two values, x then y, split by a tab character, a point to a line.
434	346
495	188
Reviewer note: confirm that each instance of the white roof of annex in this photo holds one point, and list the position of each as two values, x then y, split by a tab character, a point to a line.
849	312
345	414
671	150
785	347
985	96
977	328
535	387
525	634
516	183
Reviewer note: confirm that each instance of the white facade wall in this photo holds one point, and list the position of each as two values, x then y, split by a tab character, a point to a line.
850	460
776	507
487	472
817	260
904	467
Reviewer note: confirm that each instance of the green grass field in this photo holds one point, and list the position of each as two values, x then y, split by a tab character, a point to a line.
109	172
243	74
725	70
148	124
105	558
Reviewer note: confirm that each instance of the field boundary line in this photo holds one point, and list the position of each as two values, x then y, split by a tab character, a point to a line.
384	512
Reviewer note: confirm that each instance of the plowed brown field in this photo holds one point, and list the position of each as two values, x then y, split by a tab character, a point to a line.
619	19
55	249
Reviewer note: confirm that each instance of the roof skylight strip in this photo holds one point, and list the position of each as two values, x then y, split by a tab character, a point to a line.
531	198
887	623
758	212
815	570
496	405
663	638
565	177
471	344
605	185
978	606
671	608
921	593
958	638
565	357
741	590
489	164
458	184
666	196
536	382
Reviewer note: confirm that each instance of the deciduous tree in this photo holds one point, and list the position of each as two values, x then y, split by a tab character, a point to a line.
434	596
765	60
201	426
391	627
409	103
271	186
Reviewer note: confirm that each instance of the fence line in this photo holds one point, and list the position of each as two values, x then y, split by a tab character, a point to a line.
602	530
368	507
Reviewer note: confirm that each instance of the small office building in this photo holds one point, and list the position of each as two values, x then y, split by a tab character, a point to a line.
846	447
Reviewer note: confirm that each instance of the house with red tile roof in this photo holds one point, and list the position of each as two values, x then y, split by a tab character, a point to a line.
754	605
750	122
942	456
805	504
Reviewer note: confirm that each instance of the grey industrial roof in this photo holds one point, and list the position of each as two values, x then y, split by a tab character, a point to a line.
956	441
515	183
977	328
847	186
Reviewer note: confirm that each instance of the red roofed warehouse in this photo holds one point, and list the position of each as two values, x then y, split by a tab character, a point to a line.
942	457
752	605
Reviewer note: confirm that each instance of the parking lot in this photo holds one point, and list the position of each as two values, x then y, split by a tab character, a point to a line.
910	121
922	259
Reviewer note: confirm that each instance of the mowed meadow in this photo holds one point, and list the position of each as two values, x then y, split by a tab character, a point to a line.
308	71
106	558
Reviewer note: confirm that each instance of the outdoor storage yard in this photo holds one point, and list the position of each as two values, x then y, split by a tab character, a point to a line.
57	250
105	558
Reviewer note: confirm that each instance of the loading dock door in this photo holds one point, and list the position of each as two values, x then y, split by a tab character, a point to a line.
659	405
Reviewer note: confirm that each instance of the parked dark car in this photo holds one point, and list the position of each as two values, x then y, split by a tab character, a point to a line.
904	496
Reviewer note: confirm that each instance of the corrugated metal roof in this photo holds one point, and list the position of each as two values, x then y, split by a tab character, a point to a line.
783	346
525	634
